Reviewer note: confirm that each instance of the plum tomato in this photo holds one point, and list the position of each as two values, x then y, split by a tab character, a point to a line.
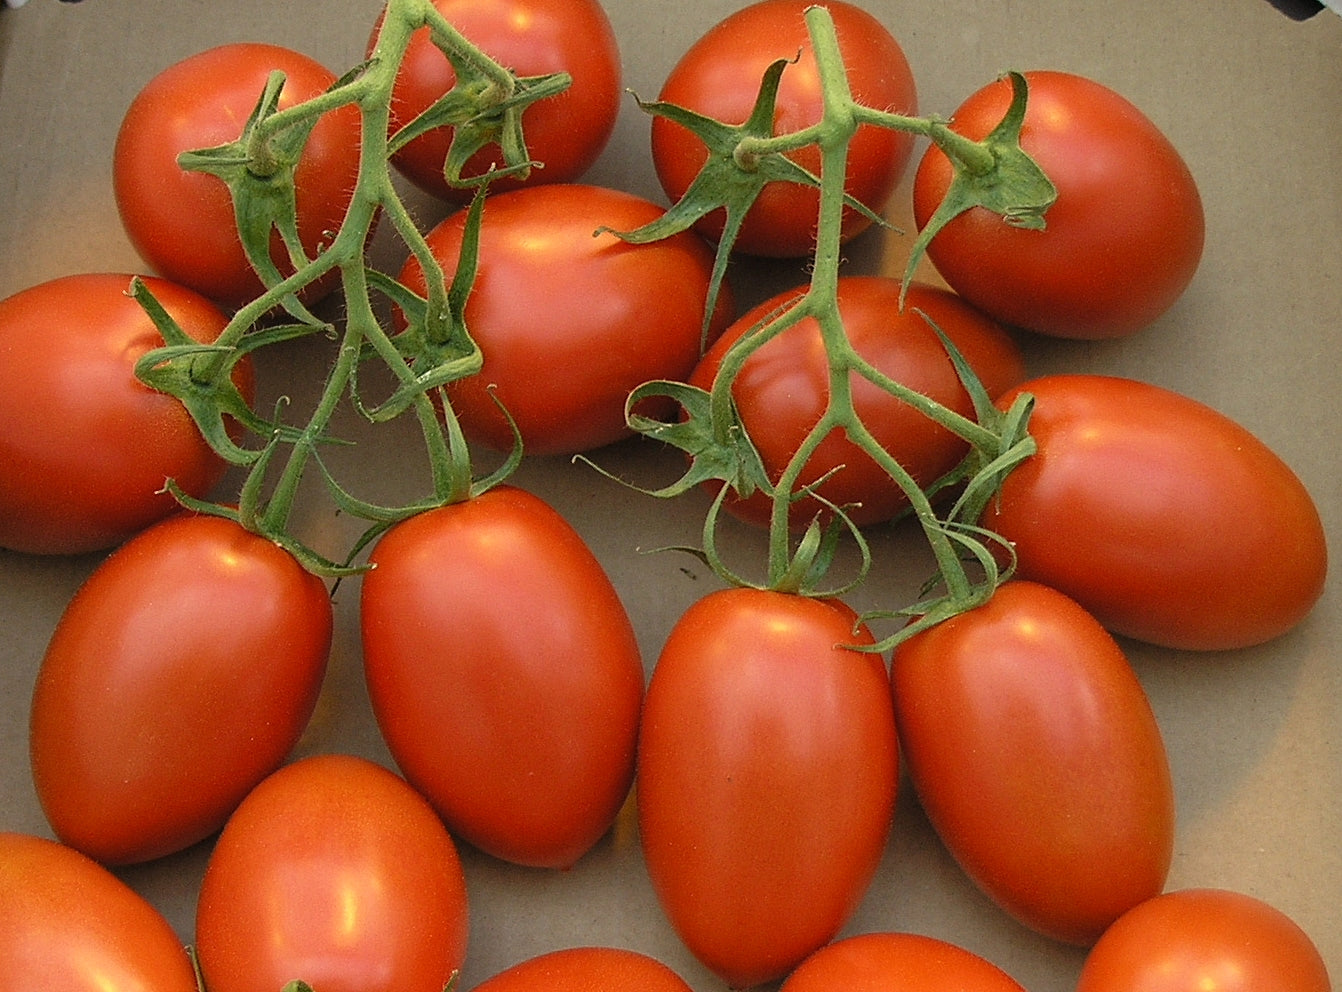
1121	242
767	772
566	133
335	872
182	672
504	675
586	969
1167	520
182	222
783	389
719	77
76	424
1033	750
1204	939
897	962
570	324
68	923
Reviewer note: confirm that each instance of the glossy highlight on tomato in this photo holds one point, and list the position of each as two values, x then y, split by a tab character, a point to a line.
719	77
767	772
1123	239
1163	517
335	872
897	962
86	446
182	672
1036	756
586	969
68	923
504	674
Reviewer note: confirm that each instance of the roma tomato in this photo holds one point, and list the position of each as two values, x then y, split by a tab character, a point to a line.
1161	516
587	969
783	390
1121	242
767	772
897	962
566	133
181	673
1204	939
68	923
75	423
504	674
1035	754
182	222
335	872
719	77
569	323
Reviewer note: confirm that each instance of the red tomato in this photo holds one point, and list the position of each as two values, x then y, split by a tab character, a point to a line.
75	422
897	962
492	618
180	675
68	923
569	323
783	390
1035	754
566	133
1123	239
1204	939
719	77
335	872
1164	518
587	969
182	222
766	778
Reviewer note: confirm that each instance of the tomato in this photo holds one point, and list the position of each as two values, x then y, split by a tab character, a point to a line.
504	674
783	390
75	421
586	969
333	871
1121	242
1035	754
1163	517
767	772
182	222
719	77
569	323
68	923
566	132
897	962
1204	939
181	673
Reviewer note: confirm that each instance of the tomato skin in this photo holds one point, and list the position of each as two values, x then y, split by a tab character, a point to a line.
68	923
566	132
783	389
759	853
493	618
334	871
182	222
570	323
897	962
1161	516
212	636
1204	939
1123	239
1034	752
74	421
586	969
719	77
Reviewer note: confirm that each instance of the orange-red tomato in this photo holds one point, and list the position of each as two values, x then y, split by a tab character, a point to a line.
897	962
335	872
1036	756
587	969
766	778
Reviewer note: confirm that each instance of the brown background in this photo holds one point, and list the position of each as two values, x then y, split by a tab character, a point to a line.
1253	100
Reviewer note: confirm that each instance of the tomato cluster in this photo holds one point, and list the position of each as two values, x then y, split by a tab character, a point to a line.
765	752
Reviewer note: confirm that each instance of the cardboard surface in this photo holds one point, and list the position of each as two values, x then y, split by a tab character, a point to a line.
1253	100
